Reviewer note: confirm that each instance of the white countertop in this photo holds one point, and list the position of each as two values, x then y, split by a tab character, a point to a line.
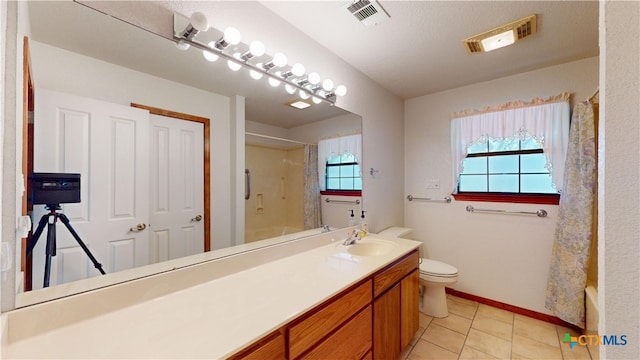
213	319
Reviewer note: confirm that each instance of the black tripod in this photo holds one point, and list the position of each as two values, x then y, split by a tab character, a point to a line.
50	220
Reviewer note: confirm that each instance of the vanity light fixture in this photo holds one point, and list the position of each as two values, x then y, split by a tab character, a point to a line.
501	36
197	22
312	86
279	60
231	37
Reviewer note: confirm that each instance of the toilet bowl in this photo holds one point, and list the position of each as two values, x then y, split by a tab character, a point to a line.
434	277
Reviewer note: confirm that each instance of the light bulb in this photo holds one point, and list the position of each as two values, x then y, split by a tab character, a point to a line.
316	100
256	48
232	35
279	59
290	89
298	69
255	75
313	78
182	45
208	54
327	84
199	21
304	95
275	83
233	65
341	90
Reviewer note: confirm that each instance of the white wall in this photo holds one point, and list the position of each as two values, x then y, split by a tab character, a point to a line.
64	71
500	257
347	124
619	191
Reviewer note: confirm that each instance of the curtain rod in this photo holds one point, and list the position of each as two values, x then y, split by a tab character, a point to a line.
594	94
278	138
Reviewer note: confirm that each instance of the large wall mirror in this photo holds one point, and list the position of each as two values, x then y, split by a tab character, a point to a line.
88	69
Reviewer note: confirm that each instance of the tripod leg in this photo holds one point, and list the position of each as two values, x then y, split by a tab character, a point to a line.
50	250
96	264
36	235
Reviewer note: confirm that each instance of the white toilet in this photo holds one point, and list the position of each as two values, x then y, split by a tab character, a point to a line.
434	277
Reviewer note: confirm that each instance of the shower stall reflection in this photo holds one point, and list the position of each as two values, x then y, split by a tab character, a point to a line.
276	171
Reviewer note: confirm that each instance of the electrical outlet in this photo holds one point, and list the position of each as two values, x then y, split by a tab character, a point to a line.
433	184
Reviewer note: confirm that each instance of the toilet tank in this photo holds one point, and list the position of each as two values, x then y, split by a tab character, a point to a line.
397	232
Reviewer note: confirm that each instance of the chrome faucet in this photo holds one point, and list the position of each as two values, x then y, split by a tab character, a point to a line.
353	237
326	228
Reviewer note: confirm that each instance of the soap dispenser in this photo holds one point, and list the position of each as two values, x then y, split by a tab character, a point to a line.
352	219
363	224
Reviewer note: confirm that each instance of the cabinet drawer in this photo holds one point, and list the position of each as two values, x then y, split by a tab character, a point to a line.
304	334
391	275
352	341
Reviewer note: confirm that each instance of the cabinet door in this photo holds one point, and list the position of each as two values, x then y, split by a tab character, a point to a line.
351	341
386	325
269	348
409	298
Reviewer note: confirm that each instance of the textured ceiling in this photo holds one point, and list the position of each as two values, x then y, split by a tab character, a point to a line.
419	49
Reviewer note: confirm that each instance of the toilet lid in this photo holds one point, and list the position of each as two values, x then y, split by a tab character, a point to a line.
437	268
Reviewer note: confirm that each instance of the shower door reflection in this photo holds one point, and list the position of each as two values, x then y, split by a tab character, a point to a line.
275	206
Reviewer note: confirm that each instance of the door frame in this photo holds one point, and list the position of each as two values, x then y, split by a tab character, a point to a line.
27	156
206	166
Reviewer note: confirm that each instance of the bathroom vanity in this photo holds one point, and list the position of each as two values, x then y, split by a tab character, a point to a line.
374	319
308	298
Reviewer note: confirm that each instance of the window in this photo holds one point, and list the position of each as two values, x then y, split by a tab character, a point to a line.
506	166
343	173
512	152
339	165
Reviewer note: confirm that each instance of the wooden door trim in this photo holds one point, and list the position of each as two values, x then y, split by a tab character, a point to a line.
207	162
27	154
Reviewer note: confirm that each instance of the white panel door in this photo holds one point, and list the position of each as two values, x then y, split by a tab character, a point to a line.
108	145
177	188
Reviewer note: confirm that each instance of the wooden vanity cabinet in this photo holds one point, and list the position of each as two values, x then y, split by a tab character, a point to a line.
374	319
395	307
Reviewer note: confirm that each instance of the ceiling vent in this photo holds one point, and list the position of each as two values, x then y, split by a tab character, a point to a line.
501	36
369	13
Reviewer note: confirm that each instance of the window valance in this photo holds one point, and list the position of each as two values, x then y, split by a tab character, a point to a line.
546	121
350	144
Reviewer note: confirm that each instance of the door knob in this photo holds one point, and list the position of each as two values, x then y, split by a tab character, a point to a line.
138	227
197	218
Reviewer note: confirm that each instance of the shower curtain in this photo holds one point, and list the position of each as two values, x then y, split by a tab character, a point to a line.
312	208
573	236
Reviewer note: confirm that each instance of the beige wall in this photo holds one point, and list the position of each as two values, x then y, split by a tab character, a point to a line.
500	257
619	163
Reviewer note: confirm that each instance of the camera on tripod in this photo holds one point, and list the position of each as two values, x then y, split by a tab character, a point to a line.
53	189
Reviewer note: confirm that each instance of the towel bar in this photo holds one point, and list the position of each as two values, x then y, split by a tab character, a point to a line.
539	213
447	199
342	201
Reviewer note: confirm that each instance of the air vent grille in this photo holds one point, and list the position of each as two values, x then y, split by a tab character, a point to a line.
473	46
525	29
369	13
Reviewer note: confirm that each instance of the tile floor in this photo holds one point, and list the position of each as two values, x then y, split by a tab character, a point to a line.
478	331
